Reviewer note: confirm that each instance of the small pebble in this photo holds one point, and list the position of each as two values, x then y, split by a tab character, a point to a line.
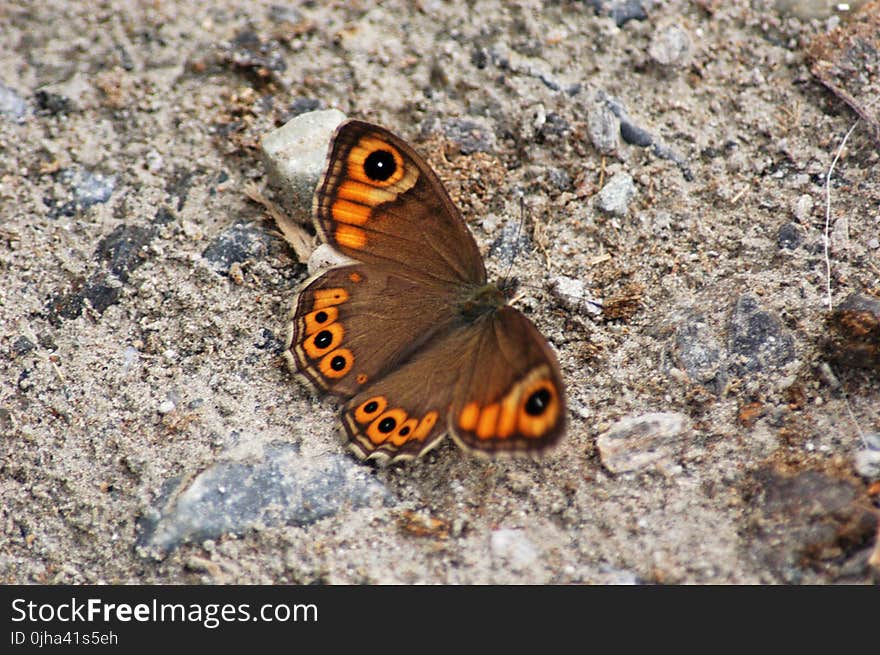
671	46
603	128
757	340
789	236
166	407
697	351
12	105
236	244
615	196
572	294
868	463
803	208
469	134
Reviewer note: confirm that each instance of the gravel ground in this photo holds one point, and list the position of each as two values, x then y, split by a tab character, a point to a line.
668	165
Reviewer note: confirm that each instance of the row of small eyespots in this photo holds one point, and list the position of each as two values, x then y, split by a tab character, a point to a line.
393	425
325	333
530	413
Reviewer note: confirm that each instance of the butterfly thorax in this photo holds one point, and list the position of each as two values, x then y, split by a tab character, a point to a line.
479	301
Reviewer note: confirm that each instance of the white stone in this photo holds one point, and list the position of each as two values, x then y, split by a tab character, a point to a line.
295	155
166	407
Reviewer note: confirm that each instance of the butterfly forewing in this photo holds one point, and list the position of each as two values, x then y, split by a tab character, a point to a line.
380	203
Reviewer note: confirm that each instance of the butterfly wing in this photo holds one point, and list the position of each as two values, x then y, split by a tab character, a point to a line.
388	334
493	385
351	324
380	203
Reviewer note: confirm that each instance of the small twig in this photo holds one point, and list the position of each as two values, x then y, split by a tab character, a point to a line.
300	240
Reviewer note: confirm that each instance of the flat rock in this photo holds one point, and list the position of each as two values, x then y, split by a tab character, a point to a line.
80	189
282	488
12	105
640	442
671	46
867	462
237	244
572	294
603	128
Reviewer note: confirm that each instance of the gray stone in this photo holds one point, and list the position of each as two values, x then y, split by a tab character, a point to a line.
83	189
237	244
697	351
640	442
671	46
22	346
295	155
281	488
789	236
620	11
603	128
803	209
867	462
615	196
635	134
12	105
469	134
756	339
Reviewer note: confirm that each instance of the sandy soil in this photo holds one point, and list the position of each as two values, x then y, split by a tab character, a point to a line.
144	296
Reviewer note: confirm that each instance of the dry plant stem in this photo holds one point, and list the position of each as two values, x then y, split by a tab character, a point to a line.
300	240
827	238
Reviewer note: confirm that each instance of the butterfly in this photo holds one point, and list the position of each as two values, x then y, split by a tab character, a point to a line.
411	335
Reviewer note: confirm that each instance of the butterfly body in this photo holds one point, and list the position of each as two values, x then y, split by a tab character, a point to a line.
412	335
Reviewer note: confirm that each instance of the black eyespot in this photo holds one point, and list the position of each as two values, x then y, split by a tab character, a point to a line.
537	402
324	338
371	407
404	431
320	317
387	424
338	363
380	165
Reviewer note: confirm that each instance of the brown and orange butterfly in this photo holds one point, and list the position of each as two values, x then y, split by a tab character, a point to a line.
412	335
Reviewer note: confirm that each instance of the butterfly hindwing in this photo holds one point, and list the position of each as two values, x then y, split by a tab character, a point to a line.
512	399
492	384
351	324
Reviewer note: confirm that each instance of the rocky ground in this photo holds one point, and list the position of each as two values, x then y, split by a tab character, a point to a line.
667	162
